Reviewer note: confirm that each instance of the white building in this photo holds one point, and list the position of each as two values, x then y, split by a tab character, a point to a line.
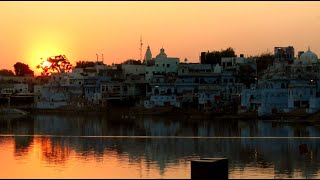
205	83
162	64
8	89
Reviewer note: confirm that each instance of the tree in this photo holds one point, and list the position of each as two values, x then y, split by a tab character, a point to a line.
214	57
84	64
263	61
22	69
132	61
6	72
53	64
247	74
229	52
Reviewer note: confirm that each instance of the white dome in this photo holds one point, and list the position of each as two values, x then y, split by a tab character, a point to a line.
162	54
308	57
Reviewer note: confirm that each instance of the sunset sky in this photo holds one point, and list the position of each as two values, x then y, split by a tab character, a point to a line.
80	30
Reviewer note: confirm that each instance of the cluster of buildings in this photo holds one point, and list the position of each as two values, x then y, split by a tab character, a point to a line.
289	84
156	82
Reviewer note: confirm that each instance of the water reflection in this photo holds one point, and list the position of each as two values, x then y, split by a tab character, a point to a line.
102	125
152	157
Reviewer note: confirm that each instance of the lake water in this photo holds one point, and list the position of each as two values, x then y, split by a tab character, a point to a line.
104	146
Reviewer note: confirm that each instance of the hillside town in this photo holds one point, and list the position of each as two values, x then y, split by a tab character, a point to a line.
162	84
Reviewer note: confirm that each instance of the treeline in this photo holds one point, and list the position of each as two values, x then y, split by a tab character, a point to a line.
20	69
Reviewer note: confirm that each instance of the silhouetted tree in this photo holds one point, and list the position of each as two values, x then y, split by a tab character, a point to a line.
84	64
132	61
246	74
6	72
229	52
57	64
22	69
263	61
214	57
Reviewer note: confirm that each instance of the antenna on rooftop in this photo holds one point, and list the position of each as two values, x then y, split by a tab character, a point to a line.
97	57
140	48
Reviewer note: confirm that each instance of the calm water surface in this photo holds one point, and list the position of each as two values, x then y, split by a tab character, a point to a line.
102	146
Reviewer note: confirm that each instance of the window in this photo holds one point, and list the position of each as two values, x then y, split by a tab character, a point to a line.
168	65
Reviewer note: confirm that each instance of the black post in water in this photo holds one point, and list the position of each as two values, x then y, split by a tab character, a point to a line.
209	168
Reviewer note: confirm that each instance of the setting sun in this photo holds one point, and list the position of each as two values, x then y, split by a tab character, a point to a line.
46	64
44	44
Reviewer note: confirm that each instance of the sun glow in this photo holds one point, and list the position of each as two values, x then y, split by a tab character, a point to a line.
39	57
46	64
44	44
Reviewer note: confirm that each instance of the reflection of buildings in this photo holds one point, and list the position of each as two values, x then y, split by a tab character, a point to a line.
54	150
22	143
282	154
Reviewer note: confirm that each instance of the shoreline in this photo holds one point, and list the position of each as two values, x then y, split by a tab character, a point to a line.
129	112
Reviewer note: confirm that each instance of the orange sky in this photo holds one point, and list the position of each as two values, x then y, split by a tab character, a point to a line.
80	30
